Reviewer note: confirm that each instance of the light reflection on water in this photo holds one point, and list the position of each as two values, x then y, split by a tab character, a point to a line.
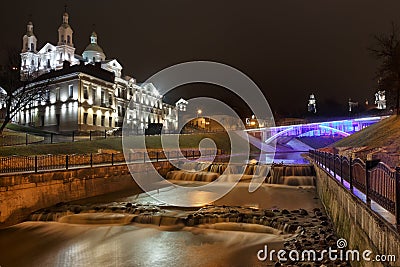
56	244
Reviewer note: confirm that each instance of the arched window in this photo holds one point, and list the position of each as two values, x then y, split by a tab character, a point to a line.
68	39
62	38
32	47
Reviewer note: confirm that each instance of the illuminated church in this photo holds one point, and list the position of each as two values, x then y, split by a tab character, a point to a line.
87	92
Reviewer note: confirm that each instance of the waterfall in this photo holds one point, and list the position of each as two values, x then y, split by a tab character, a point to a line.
295	175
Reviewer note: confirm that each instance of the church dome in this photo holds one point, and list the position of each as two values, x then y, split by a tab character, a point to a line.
94	48
93	51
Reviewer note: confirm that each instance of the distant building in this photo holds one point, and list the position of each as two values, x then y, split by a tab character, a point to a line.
88	92
352	105
312	104
380	99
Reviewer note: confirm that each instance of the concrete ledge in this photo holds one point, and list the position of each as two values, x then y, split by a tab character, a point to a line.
360	226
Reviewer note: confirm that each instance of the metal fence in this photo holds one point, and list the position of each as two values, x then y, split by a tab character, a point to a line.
38	163
374	178
21	139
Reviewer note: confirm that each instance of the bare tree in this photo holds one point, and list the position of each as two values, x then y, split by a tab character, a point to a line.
387	50
17	95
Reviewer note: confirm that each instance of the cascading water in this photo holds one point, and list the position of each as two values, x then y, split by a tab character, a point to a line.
293	175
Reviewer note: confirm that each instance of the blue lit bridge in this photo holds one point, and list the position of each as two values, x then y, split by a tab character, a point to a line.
285	134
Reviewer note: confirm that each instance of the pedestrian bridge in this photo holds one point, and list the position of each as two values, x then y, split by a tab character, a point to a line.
328	128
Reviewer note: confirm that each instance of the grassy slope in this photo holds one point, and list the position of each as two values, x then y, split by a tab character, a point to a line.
186	141
383	133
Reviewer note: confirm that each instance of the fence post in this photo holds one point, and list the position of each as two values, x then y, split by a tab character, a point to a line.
112	159
73	136
319	158
157	156
369	164
334	165
91	159
329	161
397	207
351	173
324	160
51	138
367	167
144	156
66	162
193	154
90	135
36	166
341	169
105	134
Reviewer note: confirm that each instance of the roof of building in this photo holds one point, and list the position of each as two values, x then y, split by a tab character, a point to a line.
90	69
94	47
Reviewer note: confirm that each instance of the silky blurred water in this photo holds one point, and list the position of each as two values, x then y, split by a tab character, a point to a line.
66	244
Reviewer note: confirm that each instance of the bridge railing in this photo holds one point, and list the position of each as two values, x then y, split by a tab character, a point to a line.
375	179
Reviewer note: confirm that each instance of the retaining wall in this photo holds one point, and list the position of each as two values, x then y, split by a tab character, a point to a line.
356	222
21	194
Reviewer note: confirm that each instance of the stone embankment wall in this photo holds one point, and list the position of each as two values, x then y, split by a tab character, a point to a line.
23	193
354	221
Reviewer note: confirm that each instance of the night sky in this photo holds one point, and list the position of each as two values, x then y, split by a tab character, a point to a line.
289	48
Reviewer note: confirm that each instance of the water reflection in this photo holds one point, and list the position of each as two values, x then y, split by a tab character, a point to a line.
56	244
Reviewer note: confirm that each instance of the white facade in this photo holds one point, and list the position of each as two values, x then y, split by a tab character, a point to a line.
82	96
36	62
380	99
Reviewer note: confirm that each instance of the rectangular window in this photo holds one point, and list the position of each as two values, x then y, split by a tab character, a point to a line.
71	91
102	98
110	100
93	96
110	122
86	92
57	94
85	116
103	118
94	119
